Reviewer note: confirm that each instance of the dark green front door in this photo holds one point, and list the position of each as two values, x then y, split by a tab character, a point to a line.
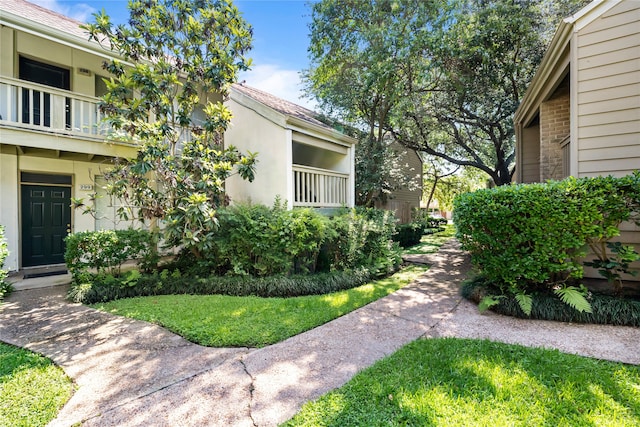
46	217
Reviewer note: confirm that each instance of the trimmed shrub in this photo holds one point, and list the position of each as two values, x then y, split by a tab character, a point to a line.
529	237
105	251
5	287
92	288
254	240
409	234
257	241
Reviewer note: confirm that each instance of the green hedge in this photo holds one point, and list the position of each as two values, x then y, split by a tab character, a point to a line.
91	289
5	287
105	251
409	234
254	240
530	236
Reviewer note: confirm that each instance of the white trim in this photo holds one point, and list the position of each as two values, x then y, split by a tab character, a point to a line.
590	13
289	168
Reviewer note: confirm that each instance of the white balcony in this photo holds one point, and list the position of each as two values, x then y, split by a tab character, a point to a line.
314	187
38	107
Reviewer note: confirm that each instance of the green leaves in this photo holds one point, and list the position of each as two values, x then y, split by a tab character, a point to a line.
531	237
525	302
5	287
105	251
177	60
444	77
574	297
489	301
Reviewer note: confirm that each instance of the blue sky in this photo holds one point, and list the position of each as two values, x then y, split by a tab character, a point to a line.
280	38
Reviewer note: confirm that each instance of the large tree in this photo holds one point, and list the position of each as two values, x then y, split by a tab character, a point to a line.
444	77
165	93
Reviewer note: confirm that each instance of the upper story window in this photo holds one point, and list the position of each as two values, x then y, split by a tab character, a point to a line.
45	74
37	107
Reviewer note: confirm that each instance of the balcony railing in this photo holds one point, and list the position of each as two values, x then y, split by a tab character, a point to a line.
39	107
315	187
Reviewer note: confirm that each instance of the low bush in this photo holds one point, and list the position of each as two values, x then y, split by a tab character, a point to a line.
362	237
530	237
409	234
605	309
257	241
105	251
94	288
422	216
5	287
254	240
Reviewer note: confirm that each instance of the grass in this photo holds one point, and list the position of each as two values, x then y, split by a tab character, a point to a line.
431	242
229	321
456	382
32	389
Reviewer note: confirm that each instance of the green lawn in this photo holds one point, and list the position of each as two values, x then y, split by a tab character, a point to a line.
431	242
32	389
228	321
455	382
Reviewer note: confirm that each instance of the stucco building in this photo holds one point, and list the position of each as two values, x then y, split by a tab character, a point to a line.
54	147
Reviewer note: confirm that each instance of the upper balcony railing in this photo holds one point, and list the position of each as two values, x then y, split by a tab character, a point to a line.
39	107
314	187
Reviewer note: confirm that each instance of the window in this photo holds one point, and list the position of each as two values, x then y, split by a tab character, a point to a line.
36	105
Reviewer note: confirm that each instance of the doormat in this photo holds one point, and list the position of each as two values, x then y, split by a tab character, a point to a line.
44	274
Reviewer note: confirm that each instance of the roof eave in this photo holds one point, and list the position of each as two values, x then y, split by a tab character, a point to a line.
289	122
37	29
558	55
555	56
334	135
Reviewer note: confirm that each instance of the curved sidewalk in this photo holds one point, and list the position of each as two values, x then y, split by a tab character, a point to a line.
133	373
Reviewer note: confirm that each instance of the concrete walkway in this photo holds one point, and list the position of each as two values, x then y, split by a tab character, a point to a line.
133	373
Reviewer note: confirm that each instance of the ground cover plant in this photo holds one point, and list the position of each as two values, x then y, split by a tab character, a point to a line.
460	382
32	389
231	321
605	309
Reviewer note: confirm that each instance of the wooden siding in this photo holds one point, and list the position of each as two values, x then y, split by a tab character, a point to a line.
402	201
608	92
411	158
608	101
531	154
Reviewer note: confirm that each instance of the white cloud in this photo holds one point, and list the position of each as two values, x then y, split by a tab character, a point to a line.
78	11
278	81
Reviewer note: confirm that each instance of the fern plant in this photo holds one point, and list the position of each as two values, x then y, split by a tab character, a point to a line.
574	297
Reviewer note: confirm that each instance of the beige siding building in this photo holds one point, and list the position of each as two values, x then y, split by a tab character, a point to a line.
404	200
581	114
